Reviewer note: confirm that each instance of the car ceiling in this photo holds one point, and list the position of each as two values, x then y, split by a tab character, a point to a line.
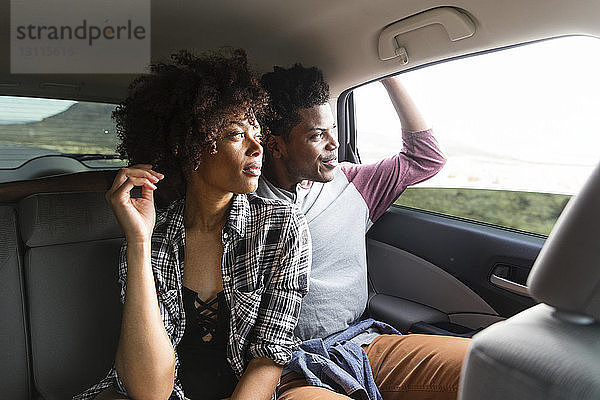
339	36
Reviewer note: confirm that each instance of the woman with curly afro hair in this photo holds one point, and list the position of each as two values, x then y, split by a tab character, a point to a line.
211	285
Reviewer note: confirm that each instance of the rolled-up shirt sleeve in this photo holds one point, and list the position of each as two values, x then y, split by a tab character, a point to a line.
165	302
273	334
381	183
122	279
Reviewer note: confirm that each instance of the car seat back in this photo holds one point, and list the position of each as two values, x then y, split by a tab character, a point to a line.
552	350
14	367
72	243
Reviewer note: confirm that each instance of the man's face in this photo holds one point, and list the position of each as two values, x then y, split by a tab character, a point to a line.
309	153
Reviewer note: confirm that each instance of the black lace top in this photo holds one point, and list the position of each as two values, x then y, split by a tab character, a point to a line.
204	370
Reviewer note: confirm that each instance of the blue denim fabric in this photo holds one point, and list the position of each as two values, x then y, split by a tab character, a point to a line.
335	363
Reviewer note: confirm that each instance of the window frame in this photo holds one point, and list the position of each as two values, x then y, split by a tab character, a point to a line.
347	133
346	108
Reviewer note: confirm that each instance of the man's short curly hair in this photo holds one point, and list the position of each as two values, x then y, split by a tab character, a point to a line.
289	91
175	113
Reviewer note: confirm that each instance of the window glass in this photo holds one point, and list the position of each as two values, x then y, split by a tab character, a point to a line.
33	127
518	127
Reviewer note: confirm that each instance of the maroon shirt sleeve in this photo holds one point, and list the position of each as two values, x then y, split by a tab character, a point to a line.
381	183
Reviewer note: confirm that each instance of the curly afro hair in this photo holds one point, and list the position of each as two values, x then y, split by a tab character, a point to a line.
289	91
176	113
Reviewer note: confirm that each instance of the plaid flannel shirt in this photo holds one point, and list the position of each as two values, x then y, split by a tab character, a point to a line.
265	268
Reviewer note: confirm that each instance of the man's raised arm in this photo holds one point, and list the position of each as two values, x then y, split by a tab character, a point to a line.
410	116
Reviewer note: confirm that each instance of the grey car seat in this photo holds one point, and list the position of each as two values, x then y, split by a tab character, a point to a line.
552	350
14	353
71	243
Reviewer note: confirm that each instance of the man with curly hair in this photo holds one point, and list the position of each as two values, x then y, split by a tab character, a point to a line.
341	202
211	285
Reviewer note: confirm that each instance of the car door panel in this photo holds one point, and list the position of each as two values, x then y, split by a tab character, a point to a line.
445	264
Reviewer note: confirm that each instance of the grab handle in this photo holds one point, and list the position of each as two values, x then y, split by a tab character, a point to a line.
457	24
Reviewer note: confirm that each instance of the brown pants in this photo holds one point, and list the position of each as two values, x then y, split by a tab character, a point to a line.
405	367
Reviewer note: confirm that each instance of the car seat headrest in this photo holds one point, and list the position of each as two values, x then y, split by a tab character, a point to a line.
59	218
566	274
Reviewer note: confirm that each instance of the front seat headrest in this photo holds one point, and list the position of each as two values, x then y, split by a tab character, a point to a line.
566	274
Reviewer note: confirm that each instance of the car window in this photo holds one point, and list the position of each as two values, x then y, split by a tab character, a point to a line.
34	127
519	129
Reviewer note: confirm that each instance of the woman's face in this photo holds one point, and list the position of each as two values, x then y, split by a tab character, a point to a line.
236	165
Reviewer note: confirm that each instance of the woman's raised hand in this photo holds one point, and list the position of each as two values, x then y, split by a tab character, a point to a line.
135	215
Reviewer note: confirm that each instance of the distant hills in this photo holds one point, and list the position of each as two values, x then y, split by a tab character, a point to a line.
81	128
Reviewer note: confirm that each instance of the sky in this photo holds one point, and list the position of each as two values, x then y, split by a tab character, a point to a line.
520	119
24	109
